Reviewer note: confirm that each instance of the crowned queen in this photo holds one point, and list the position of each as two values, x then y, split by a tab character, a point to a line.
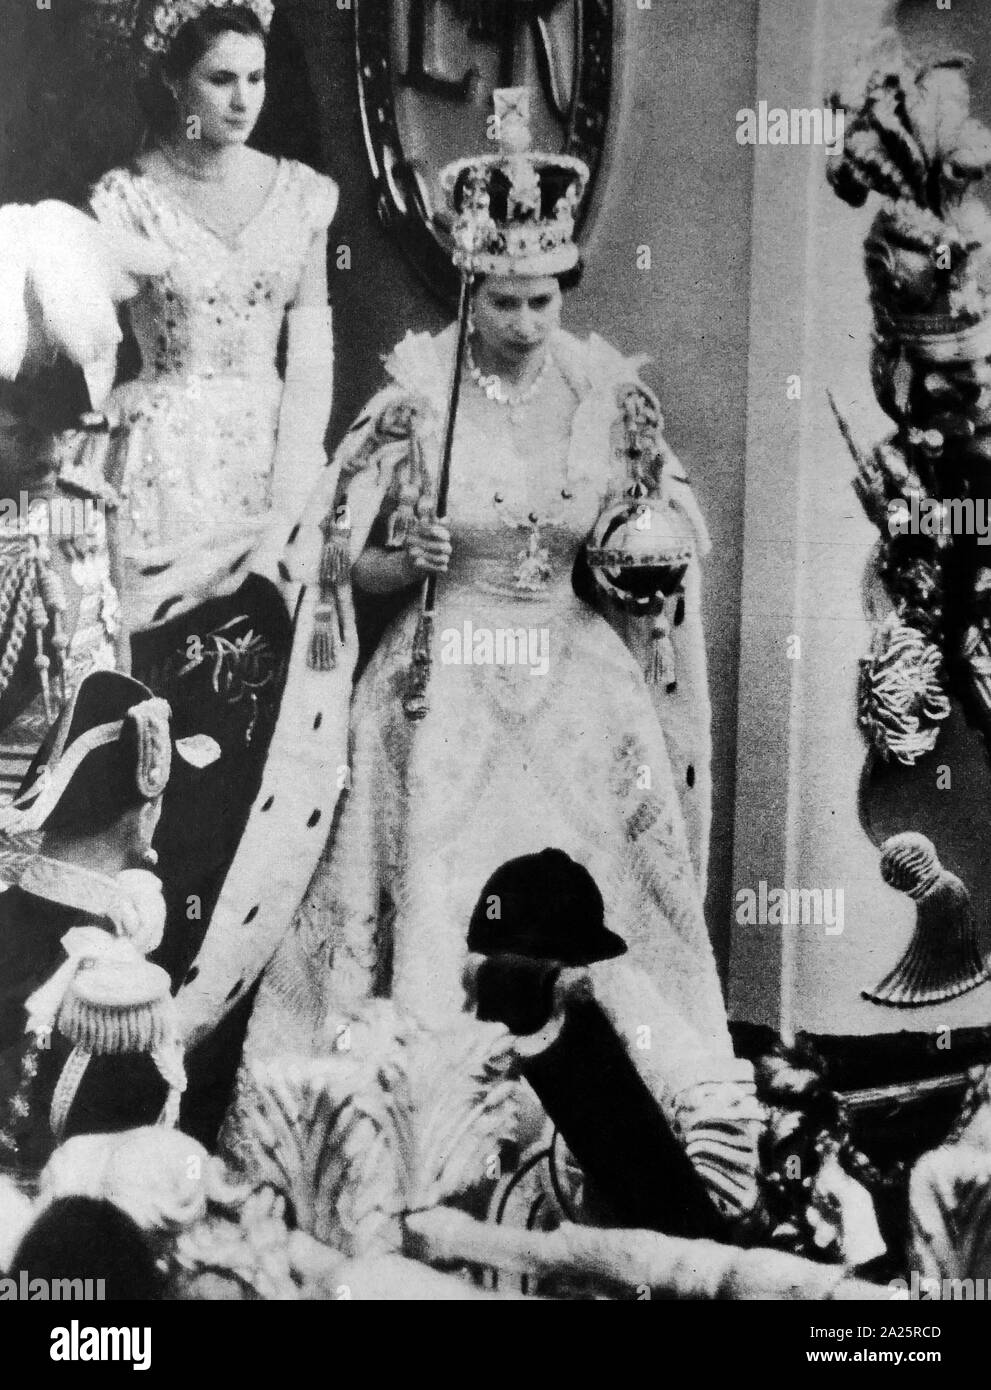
589	757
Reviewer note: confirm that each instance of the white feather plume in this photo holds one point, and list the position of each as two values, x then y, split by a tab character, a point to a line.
14	238
62	275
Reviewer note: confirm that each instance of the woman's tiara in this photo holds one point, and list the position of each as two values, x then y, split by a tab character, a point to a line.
168	17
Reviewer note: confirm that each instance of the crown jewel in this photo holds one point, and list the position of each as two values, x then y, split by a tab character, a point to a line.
168	17
513	212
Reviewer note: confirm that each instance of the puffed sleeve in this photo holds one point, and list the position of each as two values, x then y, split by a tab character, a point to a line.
319	196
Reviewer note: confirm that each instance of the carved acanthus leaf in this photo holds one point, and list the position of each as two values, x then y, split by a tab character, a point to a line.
404	1118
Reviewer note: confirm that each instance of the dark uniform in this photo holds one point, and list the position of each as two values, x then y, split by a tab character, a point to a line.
108	754
116	1092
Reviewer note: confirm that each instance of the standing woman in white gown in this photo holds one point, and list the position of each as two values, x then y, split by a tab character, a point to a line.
576	739
221	433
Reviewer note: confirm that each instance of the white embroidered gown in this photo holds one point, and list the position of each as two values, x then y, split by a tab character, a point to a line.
511	758
200	420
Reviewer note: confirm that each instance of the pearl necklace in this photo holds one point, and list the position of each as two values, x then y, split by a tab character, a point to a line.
190	171
490	385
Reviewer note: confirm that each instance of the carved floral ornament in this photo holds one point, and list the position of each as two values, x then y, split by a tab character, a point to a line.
426	72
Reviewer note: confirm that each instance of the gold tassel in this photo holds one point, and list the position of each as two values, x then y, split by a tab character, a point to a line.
335	557
660	661
322	654
335	568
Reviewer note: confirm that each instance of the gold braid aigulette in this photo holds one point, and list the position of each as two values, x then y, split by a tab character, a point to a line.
31	596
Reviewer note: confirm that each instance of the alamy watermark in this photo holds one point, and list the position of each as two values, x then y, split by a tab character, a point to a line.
929	1289
59	517
791	907
940	516
19	1287
81	1343
500	646
797	125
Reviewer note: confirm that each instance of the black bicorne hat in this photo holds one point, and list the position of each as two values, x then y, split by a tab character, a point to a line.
109	749
545	906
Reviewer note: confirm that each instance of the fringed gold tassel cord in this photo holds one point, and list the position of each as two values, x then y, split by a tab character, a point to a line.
322	654
335	568
335	557
661	661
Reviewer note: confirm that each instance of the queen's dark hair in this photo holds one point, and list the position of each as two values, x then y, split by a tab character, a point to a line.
188	46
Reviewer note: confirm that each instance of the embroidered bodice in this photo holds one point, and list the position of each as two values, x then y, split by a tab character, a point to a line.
195	458
522	501
218	309
518	518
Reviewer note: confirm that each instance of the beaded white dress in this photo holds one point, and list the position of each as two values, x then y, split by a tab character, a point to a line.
194	459
514	755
